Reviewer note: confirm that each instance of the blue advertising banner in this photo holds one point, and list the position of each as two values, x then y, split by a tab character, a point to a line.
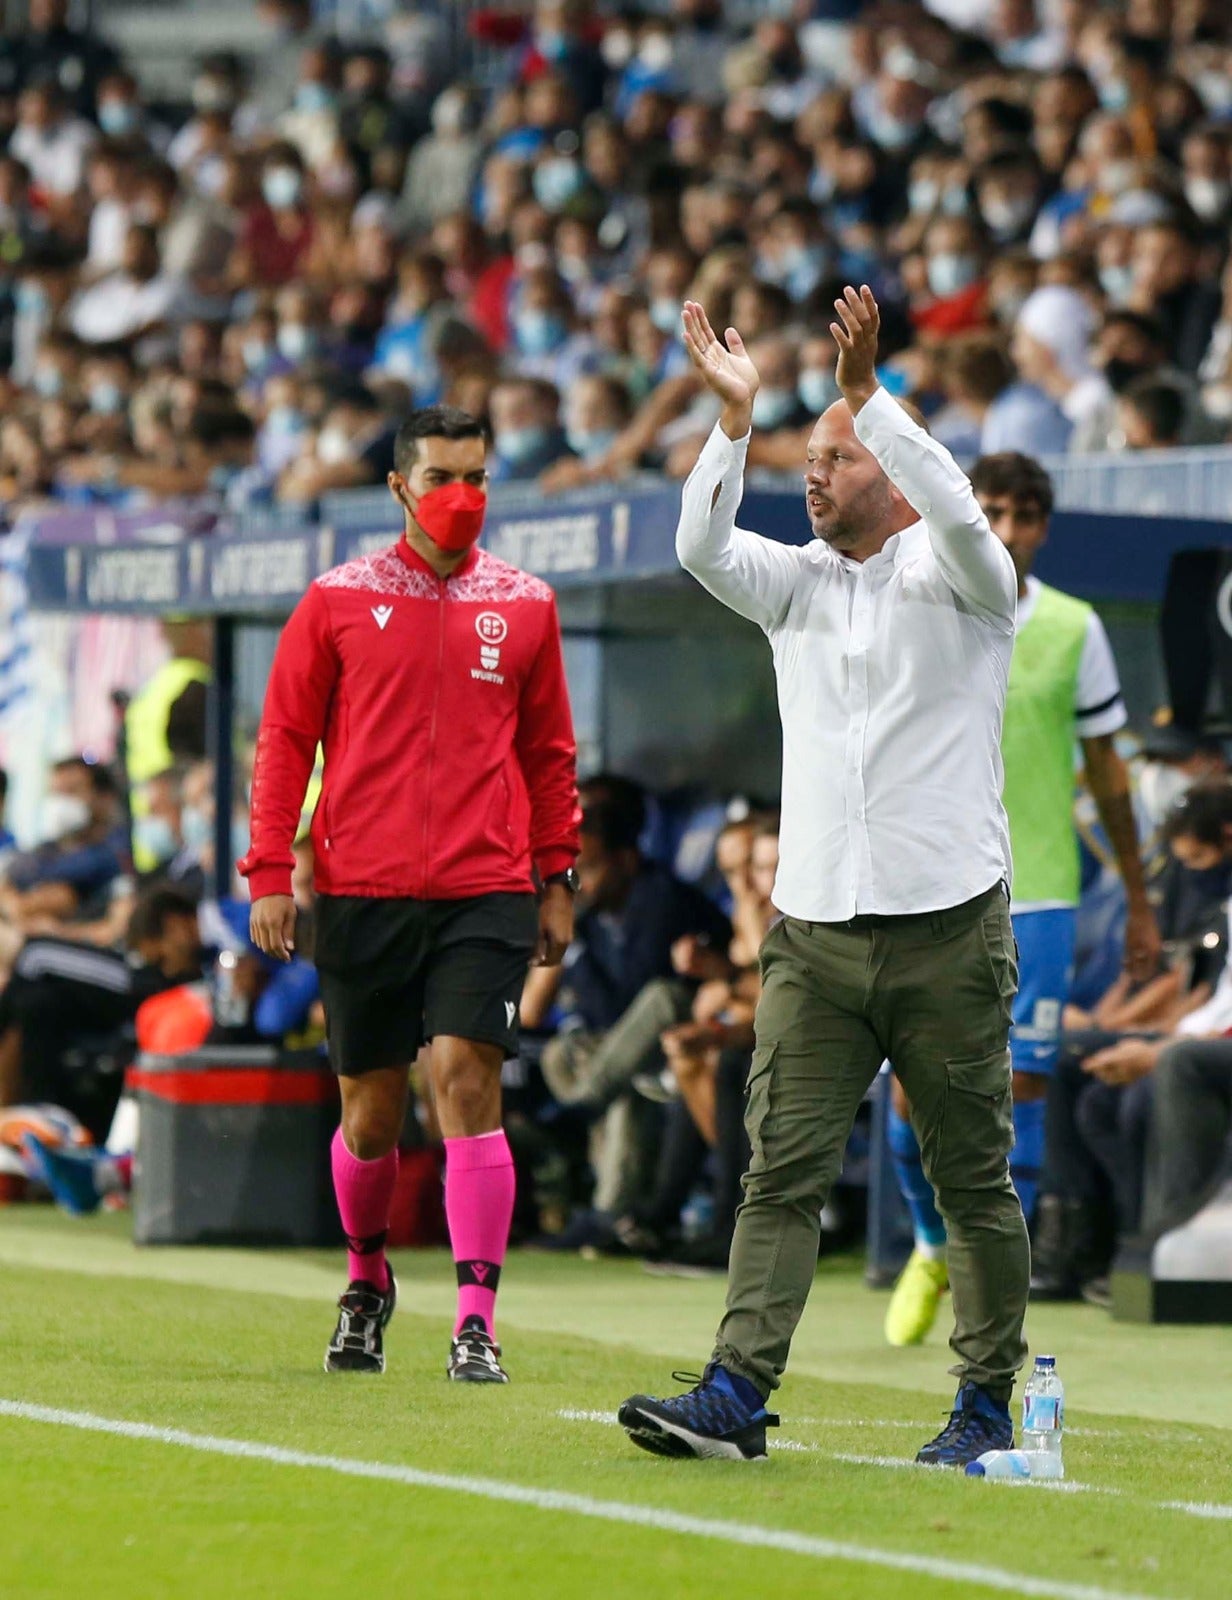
599	537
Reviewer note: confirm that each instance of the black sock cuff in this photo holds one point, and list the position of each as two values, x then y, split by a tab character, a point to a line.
366	1244
478	1274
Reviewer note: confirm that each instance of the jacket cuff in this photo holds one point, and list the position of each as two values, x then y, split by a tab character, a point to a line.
263	881
549	862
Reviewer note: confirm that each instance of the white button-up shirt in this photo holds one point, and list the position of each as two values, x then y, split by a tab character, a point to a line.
891	680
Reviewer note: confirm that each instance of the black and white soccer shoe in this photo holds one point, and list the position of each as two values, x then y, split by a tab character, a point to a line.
474	1356
363	1315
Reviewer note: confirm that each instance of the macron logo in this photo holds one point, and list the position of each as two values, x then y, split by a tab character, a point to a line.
510	1013
382	615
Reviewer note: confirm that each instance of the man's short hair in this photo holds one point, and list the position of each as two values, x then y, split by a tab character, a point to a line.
433	422
610	825
102	778
979	364
1020	478
154	909
619	794
1143	322
1204	813
1160	404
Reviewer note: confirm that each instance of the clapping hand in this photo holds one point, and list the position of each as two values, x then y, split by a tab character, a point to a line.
855	333
727	369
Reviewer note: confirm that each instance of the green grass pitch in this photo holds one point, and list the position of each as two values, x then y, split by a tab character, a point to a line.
409	1486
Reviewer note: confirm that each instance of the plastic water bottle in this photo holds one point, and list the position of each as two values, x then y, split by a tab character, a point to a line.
1019	1466
1043	1409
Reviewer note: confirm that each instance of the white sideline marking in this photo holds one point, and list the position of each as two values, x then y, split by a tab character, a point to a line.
1201	1509
1191	1508
738	1533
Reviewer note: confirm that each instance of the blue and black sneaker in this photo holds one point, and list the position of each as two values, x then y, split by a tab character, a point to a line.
977	1423
721	1416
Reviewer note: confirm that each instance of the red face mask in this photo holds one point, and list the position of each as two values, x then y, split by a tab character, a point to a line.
452	516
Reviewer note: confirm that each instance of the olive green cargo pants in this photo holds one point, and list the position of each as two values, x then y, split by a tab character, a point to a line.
931	993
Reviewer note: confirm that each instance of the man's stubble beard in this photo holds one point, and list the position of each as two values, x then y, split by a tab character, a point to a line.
863	517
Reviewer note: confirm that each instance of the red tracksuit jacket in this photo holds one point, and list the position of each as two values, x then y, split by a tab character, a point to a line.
450	762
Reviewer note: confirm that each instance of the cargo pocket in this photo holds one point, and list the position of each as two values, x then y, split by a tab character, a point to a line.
977	1128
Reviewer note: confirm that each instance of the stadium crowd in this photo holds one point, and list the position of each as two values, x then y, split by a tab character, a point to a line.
241	294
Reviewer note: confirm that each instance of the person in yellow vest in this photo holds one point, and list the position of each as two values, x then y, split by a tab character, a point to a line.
165	724
1063	685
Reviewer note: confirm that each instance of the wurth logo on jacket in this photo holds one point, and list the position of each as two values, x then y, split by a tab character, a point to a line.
450	761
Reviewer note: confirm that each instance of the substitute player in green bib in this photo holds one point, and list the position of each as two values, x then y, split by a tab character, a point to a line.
1063	685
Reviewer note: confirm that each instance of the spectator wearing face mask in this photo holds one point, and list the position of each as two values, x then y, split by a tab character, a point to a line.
418	319
597	410
312	124
794	252
1175	759
890	108
444	164
560	42
1007	192
527	436
121	115
106	382
955	260
354	446
80	853
278	231
1131	345
217	87
547	343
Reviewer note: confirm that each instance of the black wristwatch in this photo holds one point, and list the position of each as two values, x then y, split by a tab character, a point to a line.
569	878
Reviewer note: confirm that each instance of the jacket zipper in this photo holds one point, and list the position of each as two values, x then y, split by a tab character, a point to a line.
436	702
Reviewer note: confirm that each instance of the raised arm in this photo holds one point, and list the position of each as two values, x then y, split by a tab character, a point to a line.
751	575
974	562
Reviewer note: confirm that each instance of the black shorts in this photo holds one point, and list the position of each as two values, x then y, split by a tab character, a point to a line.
395	973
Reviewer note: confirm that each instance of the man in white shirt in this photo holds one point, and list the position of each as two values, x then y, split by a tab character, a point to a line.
891	635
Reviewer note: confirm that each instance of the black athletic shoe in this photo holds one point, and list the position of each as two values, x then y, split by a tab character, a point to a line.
363	1315
474	1356
711	1420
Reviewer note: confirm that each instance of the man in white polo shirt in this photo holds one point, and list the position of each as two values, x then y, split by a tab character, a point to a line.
891	635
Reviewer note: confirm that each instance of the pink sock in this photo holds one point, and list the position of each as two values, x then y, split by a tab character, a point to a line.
479	1187
364	1190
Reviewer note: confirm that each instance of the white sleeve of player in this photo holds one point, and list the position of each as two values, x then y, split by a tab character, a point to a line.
1098	708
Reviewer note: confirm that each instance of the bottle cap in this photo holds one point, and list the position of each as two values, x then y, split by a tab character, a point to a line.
975	1469
1045	1361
